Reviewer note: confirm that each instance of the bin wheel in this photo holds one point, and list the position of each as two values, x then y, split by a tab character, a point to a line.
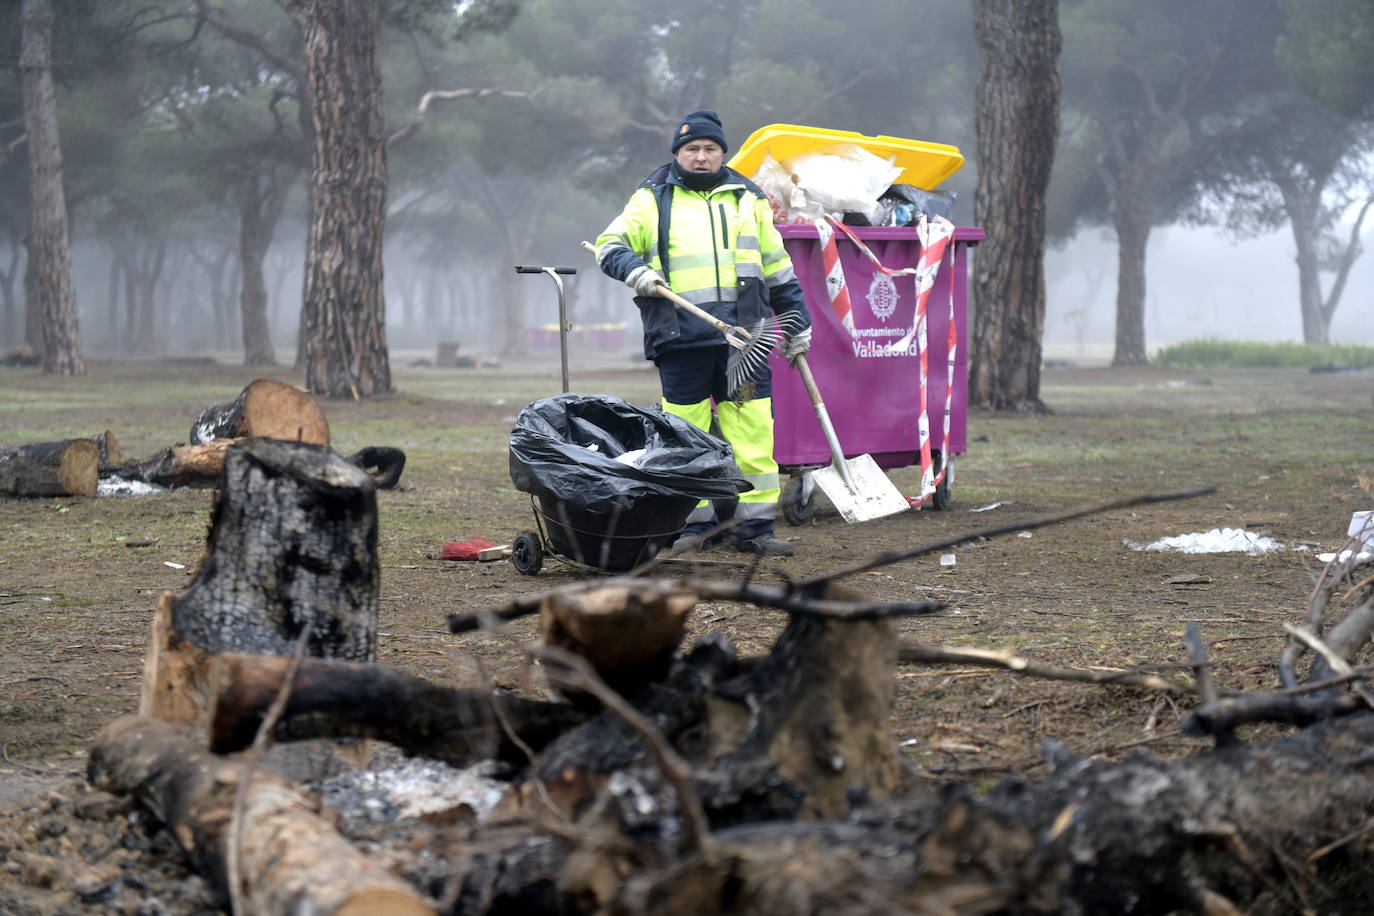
797	509
940	500
526	553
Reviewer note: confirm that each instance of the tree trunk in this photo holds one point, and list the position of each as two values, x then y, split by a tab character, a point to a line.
1304	208
1018	123
260	200
292	551
67	468
1132	218
33	305
50	245
9	320
149	260
265	409
287	858
344	317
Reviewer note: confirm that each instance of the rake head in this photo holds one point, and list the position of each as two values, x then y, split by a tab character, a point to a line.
751	348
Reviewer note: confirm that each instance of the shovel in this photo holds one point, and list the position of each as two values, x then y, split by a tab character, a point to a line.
856	486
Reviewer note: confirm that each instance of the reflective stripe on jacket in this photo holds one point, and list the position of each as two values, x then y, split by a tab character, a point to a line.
723	253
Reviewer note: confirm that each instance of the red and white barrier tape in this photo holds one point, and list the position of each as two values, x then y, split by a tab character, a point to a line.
934	237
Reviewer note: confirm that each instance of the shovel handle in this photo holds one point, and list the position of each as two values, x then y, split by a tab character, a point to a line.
827	428
736	337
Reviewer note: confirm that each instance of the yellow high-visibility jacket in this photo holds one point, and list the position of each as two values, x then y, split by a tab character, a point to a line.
718	249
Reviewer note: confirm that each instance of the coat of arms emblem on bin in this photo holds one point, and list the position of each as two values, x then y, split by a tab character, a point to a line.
882	296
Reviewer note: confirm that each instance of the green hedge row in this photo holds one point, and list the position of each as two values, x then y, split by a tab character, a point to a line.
1241	354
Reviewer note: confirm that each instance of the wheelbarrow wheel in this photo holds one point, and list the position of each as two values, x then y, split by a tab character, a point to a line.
527	554
797	508
940	500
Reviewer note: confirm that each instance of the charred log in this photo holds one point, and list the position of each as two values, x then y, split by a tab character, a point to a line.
291	554
1276	827
70	467
800	734
178	466
346	699
265	409
817	710
288	859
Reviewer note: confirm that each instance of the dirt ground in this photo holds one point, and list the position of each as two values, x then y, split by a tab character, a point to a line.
1289	453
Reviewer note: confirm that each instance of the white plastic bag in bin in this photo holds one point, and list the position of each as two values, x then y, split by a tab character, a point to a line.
788	201
842	178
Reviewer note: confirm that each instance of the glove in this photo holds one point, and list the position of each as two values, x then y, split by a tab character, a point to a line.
797	345
644	281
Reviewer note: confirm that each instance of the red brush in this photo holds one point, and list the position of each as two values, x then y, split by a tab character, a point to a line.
465	550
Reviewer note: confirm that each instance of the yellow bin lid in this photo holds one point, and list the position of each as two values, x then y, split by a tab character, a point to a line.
923	164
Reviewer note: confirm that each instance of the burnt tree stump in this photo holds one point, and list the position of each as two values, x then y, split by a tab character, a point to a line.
265	409
291	553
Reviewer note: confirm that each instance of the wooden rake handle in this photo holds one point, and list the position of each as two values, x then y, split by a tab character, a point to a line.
735	336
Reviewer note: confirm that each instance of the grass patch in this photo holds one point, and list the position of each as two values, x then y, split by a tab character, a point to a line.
1209	353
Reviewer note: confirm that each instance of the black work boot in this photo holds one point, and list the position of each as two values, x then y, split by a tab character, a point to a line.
766	544
693	537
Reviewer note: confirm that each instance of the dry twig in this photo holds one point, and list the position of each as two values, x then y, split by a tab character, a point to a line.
912	652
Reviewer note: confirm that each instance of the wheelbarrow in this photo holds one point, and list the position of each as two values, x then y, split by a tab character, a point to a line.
611	484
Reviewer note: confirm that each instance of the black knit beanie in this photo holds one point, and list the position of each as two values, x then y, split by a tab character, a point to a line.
699	125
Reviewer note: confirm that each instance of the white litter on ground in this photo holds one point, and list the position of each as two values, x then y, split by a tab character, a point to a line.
1218	540
118	486
1364	556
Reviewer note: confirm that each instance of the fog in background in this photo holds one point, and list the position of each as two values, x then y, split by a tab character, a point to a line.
1201	284
446	278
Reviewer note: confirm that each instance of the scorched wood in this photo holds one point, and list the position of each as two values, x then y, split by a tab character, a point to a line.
289	859
264	409
292	553
178	466
1276	827
330	699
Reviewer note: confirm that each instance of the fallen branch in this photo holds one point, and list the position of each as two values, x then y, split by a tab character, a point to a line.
896	556
1330	656
788	598
930	655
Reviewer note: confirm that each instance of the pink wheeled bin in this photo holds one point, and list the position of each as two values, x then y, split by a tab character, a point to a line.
870	377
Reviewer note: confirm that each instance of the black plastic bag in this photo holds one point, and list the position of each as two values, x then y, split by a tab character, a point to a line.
931	203
604	512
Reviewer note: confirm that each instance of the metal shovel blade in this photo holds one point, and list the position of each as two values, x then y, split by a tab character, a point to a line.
873	495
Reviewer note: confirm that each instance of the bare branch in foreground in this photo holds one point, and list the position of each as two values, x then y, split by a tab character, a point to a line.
1338	664
896	556
784	598
930	655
